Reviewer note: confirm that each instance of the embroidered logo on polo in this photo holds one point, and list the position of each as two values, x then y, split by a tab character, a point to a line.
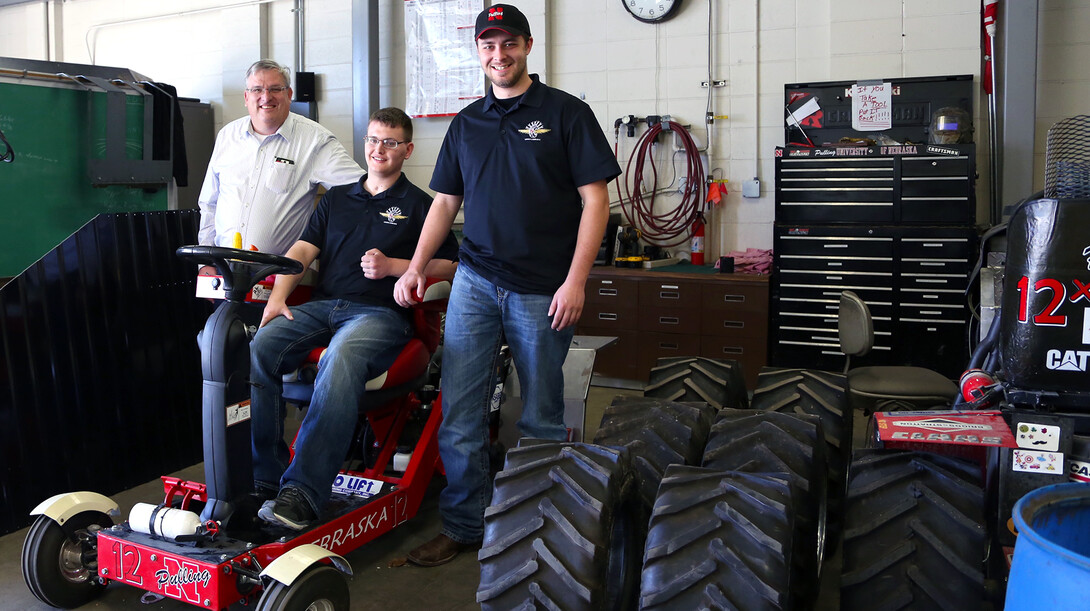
534	129
392	215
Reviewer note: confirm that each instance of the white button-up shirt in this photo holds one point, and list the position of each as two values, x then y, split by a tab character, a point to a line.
264	187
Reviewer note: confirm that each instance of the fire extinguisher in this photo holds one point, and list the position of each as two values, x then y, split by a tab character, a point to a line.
697	256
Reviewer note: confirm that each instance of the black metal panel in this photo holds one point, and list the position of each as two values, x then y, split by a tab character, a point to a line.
100	362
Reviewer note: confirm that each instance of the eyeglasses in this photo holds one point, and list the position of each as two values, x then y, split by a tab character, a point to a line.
388	143
272	90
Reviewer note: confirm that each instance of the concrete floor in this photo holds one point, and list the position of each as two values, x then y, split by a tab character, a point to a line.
375	585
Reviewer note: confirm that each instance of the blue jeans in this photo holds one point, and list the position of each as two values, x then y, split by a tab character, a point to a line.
364	340
479	315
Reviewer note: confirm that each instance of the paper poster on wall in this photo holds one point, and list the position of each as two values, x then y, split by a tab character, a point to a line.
442	72
872	107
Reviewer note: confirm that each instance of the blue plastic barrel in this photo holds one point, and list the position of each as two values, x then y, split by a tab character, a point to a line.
1051	566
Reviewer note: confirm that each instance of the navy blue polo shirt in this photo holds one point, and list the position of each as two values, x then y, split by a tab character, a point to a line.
349	221
518	171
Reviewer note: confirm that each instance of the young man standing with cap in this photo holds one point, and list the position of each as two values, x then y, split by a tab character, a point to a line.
531	164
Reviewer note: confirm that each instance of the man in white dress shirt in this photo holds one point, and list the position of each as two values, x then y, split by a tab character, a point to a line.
266	168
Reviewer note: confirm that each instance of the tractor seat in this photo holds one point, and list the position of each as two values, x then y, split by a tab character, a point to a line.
409	370
884	388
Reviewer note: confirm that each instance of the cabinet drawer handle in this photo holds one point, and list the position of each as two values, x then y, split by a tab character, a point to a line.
732	350
607	292
932	264
607	316
835	245
669	320
669	295
667	346
931	312
933	244
734	298
734	324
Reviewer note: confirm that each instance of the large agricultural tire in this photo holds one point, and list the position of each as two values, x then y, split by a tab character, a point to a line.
718	540
558	534
817	393
717	382
914	533
790	445
656	434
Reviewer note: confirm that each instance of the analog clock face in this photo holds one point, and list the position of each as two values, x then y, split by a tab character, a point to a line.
652	11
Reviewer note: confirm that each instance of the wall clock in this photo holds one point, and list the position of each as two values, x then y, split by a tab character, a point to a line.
652	11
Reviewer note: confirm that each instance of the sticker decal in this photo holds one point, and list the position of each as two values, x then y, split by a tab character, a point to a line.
239	412
1047	463
1043	437
1078	471
355	485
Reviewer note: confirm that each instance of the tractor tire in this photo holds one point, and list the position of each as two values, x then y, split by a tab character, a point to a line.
321	587
718	540
717	382
914	533
58	562
656	434
558	534
825	395
792	446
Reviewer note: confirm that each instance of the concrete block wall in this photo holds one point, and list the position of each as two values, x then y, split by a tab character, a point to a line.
595	50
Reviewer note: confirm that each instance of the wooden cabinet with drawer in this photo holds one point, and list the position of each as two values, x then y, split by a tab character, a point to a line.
668	313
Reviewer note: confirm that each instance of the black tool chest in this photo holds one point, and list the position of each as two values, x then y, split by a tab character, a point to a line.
892	224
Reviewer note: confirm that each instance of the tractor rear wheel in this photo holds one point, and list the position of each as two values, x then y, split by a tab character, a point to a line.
558	534
718	540
790	445
717	382
656	434
914	533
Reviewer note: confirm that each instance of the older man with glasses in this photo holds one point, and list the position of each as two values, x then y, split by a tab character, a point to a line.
266	168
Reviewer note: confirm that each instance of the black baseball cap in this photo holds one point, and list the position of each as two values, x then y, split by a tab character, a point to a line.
502	17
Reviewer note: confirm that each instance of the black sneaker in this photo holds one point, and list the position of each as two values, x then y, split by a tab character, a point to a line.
290	509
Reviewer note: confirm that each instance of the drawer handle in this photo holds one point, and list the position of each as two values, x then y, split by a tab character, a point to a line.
669	295
607	316
607	292
834	245
668	286
667	346
933	244
932	264
669	320
835	277
931	312
732	350
734	298
734	324
835	264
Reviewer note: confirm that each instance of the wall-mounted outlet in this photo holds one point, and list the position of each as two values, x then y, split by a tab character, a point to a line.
751	188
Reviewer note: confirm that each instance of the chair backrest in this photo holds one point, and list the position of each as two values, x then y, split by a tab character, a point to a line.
854	325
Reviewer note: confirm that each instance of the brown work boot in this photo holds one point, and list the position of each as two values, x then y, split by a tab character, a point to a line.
440	550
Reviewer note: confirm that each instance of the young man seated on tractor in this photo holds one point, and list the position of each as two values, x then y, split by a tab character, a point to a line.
364	233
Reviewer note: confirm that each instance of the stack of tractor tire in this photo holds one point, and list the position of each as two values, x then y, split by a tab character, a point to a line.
696	497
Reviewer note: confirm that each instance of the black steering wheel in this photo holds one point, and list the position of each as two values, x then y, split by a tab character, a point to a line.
240	269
